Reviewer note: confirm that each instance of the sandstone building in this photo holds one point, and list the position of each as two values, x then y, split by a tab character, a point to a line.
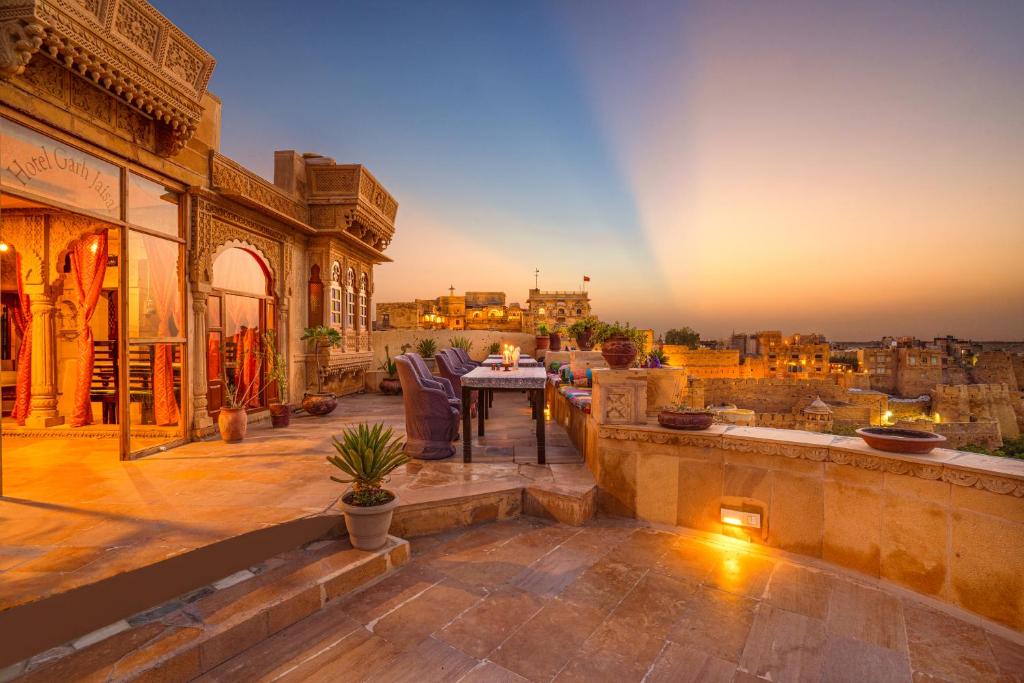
556	309
139	263
471	311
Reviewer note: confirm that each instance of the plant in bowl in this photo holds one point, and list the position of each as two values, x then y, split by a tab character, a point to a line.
621	345
583	331
277	373
426	347
367	455
390	384
322	337
680	416
543	337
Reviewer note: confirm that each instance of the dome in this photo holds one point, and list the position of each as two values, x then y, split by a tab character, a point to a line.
818	407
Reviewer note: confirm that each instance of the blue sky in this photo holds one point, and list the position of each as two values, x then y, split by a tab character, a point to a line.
705	163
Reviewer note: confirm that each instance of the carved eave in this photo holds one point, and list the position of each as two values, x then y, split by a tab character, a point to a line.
347	198
340	361
238	183
124	46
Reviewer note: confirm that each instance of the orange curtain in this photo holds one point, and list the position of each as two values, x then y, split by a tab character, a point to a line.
162	259
247	366
23	321
89	262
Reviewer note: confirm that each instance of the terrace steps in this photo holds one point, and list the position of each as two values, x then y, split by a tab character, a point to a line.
185	637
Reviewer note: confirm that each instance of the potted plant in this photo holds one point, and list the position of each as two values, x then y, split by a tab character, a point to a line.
367	455
322	337
277	373
656	358
620	344
543	338
583	331
494	349
554	341
460	342
426	347
681	417
232	419
390	384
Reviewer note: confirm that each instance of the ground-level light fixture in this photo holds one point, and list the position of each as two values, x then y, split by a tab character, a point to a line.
748	517
3	247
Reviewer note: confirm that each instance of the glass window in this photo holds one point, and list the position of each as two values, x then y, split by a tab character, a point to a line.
154	394
336	314
213	311
151	205
154	296
45	167
350	299
240	313
239	270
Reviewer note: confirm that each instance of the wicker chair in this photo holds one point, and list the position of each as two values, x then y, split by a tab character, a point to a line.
430	418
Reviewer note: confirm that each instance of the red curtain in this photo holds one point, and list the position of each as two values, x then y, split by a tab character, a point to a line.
162	259
89	262
247	365
23	321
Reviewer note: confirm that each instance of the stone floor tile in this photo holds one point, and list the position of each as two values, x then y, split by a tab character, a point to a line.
784	646
483	627
868	614
688	559
543	645
431	660
548	576
1009	656
489	672
353	657
643	548
947	648
854	661
715	622
686	664
603	585
799	589
379	599
742	573
415	620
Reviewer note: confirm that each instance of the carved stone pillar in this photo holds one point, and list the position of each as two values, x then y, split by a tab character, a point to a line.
44	368
200	417
284	335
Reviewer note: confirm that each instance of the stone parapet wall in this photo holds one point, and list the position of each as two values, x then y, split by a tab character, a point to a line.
481	340
948	525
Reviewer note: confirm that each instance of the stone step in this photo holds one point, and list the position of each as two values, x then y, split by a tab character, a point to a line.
181	639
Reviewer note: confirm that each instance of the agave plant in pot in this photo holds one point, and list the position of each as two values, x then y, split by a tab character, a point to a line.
367	455
390	384
277	373
583	331
322	337
543	337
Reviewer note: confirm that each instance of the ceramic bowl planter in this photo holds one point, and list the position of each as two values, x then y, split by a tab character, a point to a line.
900	440
585	340
232	423
619	352
685	419
390	385
280	415
555	341
543	341
319	404
368	526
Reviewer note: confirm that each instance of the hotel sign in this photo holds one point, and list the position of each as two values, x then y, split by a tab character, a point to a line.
39	165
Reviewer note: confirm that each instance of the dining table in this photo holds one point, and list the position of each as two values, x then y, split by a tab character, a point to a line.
486	379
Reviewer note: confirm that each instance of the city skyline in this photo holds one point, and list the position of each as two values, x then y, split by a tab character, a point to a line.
852	171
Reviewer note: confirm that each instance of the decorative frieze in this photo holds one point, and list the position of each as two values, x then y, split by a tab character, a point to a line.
233	180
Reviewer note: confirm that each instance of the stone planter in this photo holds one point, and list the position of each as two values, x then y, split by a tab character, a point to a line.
900	440
619	352
319	404
543	341
555	341
685	419
585	340
391	385
280	415
368	526
232	423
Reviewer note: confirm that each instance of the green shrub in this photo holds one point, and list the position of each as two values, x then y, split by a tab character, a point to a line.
367	455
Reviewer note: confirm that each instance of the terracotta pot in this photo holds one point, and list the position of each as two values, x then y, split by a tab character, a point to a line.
542	341
319	404
619	352
585	340
232	423
685	419
368	526
390	385
280	415
900	440
556	341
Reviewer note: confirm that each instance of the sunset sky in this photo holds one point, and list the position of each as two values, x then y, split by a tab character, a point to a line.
801	166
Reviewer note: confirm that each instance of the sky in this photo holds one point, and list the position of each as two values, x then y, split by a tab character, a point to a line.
854	169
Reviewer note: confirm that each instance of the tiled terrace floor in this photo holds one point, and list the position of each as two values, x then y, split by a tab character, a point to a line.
531	600
73	514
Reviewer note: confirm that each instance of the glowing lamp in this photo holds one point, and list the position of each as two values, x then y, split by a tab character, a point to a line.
3	247
744	517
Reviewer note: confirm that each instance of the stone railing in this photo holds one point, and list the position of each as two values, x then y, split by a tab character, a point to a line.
948	524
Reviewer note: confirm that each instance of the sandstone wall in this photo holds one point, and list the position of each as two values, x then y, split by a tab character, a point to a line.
977	402
481	340
995	367
771	395
960	434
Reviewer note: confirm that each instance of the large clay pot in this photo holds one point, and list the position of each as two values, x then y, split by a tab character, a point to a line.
232	423
542	342
319	404
900	440
685	419
280	415
618	352
555	341
368	526
390	385
585	340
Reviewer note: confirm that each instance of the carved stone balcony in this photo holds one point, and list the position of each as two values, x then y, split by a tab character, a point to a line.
347	198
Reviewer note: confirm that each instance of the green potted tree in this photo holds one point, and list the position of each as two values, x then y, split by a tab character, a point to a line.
277	373
583	331
367	455
620	344
543	337
322	337
426	347
390	384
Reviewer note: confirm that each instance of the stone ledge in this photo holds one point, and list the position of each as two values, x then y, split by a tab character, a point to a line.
994	474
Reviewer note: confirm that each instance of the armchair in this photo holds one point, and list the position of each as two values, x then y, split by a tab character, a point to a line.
430	418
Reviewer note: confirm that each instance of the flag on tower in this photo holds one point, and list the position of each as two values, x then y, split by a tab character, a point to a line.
586	278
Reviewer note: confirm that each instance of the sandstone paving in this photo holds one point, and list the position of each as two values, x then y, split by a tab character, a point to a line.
616	607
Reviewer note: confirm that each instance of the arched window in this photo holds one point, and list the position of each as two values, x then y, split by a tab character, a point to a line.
336	294
561	311
350	298
363	285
